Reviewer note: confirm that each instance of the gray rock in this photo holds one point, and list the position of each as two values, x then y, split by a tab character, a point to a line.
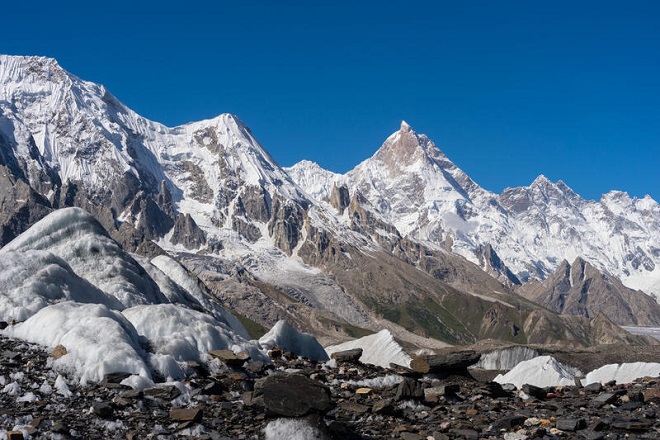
102	409
632	424
115	378
595	387
571	424
186	414
384	407
409	389
348	355
230	358
534	391
432	394
167	392
509	422
604	399
445	362
291	395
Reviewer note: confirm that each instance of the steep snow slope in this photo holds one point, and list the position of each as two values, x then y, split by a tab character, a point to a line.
59	130
412	185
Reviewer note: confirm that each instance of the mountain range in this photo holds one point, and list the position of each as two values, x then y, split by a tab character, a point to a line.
405	241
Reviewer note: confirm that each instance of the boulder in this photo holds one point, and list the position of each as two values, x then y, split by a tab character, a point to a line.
186	414
348	355
409	389
58	351
448	363
291	395
230	358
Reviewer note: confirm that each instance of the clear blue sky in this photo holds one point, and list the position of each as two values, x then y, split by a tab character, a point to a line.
507	89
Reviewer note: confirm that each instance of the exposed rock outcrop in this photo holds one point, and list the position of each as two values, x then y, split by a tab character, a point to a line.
187	233
581	289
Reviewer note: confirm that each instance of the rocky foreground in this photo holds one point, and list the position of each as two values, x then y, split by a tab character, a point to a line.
236	398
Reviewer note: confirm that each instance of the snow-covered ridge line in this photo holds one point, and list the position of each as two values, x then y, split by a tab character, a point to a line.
412	185
217	173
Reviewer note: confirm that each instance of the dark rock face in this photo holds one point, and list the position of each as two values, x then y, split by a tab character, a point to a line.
153	222
255	203
340	198
286	224
164	200
187	233
250	232
491	262
291	395
20	206
581	289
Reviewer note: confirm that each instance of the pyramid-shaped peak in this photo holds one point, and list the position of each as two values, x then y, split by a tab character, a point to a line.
541	180
403	147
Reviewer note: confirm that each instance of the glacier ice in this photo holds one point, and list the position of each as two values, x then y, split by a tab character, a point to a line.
301	344
78	238
378	349
541	371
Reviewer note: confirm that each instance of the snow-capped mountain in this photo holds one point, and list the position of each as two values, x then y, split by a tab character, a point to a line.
380	247
59	130
411	184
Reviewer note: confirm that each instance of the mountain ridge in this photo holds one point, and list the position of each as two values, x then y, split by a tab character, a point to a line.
414	245
446	207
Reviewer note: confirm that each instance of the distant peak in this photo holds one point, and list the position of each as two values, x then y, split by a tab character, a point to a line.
28	64
541	180
306	164
405	127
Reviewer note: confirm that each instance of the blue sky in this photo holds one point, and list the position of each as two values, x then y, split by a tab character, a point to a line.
507	89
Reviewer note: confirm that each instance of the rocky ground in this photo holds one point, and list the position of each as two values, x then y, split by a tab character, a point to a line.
341	399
